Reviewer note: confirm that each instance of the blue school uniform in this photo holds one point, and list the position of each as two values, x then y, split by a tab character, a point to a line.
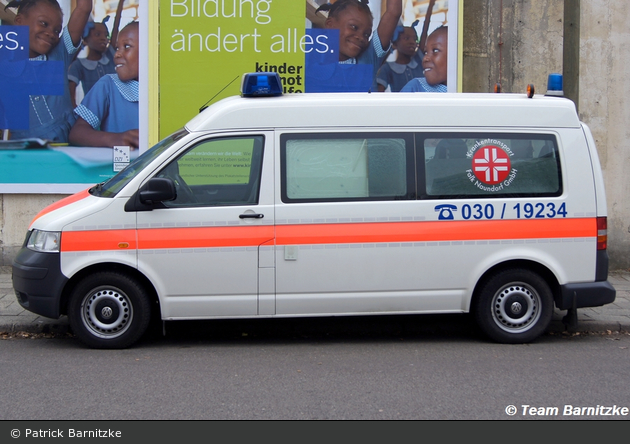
374	55
111	105
51	117
327	74
421	85
396	75
87	72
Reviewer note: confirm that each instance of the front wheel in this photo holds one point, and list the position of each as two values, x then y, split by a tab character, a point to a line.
109	310
514	306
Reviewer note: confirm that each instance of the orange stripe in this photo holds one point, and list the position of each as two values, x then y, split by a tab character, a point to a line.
98	240
160	238
62	203
435	231
204	237
208	237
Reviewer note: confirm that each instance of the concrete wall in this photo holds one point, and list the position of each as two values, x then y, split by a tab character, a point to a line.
16	213
511	42
514	42
605	107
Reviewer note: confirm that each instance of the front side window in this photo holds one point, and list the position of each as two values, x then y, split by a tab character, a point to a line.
329	167
223	171
490	165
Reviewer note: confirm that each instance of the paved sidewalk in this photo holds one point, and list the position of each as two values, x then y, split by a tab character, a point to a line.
613	317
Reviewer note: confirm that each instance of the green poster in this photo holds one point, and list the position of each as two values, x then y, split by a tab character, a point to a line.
207	45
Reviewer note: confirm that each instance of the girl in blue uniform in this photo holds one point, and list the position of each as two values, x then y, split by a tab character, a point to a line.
50	116
86	71
408	64
353	19
108	114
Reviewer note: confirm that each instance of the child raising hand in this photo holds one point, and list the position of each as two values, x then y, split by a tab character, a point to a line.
357	44
408	63
50	116
100	57
108	114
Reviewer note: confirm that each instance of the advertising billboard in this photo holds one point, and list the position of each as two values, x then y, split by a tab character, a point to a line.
190	54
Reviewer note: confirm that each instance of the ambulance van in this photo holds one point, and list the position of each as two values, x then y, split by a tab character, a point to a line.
305	205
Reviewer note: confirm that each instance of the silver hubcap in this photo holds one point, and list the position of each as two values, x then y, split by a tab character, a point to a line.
516	307
107	312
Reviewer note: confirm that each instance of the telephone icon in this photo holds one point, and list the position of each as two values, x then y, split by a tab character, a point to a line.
446	211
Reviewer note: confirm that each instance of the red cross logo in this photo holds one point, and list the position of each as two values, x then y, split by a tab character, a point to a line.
491	164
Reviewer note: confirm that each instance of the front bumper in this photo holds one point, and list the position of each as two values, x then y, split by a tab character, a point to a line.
38	282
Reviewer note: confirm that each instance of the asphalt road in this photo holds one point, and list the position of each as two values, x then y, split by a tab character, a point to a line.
385	368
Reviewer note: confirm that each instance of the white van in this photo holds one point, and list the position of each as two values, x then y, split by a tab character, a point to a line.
331	205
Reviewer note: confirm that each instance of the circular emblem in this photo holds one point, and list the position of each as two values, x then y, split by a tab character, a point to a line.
516	307
491	164
106	312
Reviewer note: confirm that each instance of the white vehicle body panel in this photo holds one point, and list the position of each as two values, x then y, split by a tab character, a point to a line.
293	270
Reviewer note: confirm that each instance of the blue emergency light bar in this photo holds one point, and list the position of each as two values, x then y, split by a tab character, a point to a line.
261	84
554	85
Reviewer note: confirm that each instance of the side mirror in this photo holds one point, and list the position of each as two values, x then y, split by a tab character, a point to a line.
157	189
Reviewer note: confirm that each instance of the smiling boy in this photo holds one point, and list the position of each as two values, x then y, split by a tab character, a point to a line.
434	64
108	115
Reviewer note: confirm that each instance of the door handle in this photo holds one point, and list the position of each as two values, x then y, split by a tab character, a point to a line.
251	216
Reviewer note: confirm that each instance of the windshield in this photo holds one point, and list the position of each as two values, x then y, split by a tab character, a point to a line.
112	186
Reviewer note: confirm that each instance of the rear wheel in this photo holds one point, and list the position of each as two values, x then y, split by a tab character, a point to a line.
514	306
109	310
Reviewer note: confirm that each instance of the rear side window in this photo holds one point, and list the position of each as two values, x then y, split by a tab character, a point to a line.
489	165
330	167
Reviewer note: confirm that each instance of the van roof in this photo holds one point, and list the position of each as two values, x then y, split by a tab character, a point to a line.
319	110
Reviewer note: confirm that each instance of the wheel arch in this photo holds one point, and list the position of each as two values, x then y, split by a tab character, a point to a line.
533	266
110	266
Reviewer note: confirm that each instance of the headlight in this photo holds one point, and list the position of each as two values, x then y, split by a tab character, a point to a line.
44	241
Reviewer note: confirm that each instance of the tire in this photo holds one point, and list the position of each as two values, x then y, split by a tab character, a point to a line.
109	310
514	306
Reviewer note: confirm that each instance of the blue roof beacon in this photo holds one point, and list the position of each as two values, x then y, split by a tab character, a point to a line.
261	84
554	85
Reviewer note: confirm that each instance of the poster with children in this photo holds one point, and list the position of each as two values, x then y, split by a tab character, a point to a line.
113	77
315	46
69	95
